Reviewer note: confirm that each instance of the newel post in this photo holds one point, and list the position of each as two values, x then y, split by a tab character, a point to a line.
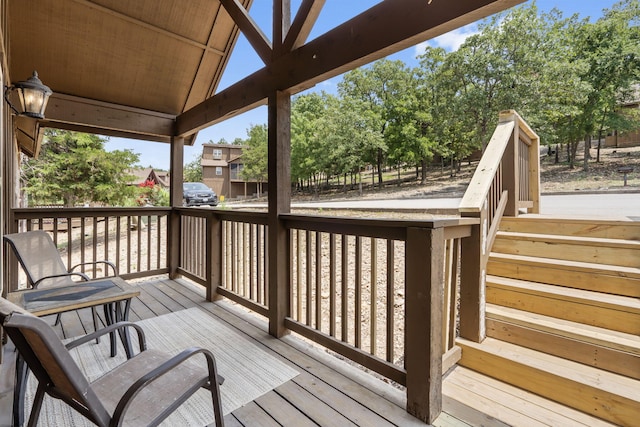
511	164
474	253
424	264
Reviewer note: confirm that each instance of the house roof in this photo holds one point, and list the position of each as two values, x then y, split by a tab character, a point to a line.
141	175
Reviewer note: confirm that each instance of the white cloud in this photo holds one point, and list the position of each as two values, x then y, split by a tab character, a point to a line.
449	41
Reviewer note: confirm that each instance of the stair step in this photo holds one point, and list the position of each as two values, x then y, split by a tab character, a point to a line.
540	224
478	399
606	395
607	311
611	279
603	348
583	249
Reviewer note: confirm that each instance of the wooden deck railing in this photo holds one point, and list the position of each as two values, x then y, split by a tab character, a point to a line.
381	293
134	239
506	181
228	254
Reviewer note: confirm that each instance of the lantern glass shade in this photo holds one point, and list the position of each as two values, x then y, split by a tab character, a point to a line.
32	95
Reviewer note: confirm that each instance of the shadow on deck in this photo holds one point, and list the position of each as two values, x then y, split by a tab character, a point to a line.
328	391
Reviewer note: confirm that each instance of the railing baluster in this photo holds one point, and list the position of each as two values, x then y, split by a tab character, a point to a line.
358	293
373	299
391	297
332	284
318	282
308	278
345	290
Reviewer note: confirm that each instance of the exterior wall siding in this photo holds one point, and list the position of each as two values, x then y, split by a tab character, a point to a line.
223	156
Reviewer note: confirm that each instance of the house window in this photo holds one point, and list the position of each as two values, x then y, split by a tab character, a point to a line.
218	170
217	154
236	169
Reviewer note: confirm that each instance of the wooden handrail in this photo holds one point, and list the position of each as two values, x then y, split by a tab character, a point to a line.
478	189
506	180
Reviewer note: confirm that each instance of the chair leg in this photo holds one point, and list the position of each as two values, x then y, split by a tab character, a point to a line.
95	322
57	322
37	405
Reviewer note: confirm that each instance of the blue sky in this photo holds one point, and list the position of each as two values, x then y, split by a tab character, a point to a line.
244	61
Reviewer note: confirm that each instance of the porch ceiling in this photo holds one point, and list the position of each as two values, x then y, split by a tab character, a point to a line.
159	56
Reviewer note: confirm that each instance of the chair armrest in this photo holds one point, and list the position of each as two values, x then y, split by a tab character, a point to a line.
108	263
111	328
82	276
167	366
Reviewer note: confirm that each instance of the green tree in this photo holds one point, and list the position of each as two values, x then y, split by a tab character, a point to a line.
383	93
307	159
346	131
611	49
192	171
74	168
254	156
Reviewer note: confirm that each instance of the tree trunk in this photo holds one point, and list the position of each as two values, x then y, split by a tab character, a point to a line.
587	152
573	149
380	166
423	178
360	181
599	144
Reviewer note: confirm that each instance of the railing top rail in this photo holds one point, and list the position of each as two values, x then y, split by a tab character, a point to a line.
476	193
227	215
35	213
369	227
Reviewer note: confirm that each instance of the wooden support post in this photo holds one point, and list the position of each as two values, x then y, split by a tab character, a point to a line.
175	200
424	263
279	159
214	257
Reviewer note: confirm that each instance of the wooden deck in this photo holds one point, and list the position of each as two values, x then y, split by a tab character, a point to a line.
328	391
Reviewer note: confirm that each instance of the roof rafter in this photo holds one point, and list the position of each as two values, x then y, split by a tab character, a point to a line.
249	28
386	28
302	24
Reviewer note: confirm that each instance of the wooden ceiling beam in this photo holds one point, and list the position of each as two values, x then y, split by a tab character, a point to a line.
65	111
302	24
386	28
249	28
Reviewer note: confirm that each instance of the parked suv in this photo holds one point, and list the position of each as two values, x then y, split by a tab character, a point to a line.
197	194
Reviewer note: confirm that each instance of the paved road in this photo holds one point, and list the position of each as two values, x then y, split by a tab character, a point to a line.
608	205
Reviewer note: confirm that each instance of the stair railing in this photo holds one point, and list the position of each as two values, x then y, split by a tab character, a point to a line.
506	181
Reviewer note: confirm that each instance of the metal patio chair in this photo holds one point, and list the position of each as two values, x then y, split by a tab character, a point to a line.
142	391
42	263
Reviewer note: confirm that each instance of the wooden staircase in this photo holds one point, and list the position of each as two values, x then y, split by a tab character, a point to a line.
563	314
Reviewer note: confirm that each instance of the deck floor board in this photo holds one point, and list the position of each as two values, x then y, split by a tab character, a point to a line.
327	392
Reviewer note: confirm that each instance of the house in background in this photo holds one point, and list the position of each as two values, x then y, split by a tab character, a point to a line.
629	138
221	171
160	178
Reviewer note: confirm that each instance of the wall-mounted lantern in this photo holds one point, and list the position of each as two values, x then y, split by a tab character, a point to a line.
33	96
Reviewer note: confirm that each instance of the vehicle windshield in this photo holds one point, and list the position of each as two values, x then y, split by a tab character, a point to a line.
194	186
